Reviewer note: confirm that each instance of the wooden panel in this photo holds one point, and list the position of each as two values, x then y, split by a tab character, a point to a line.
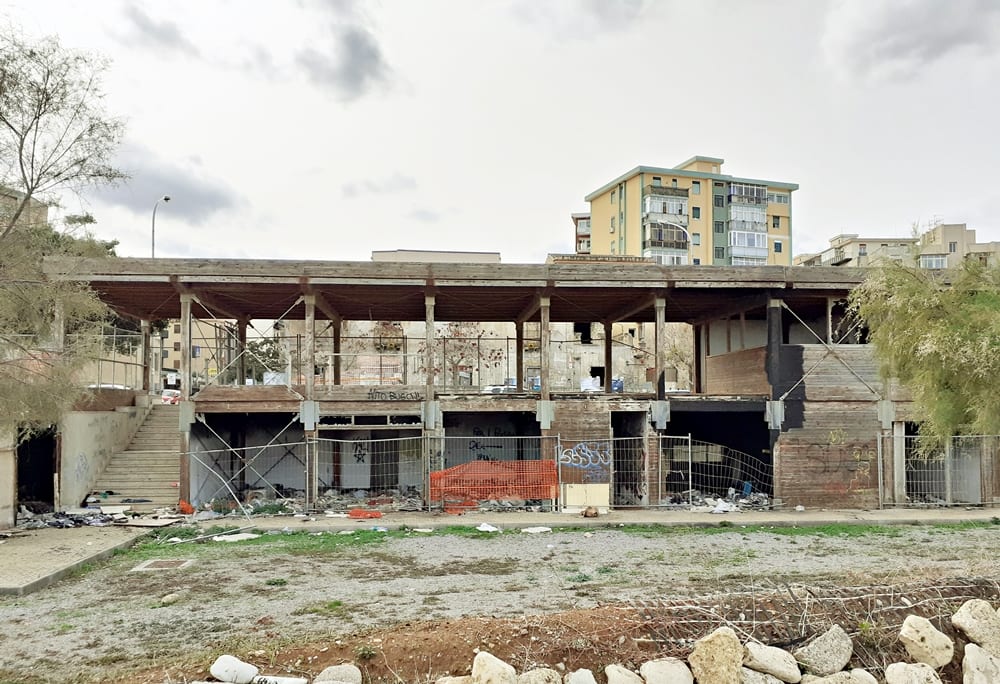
848	372
740	372
832	459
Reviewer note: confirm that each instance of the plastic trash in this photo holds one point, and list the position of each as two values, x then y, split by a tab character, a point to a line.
229	668
486	527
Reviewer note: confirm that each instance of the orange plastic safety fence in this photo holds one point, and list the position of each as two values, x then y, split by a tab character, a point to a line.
496	480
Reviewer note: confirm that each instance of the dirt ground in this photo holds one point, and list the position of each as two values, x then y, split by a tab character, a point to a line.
417	606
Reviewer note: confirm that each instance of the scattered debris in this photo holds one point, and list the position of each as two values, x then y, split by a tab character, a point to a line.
242	536
486	527
536	530
590	512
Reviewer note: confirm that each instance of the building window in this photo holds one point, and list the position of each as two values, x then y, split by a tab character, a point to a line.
177	346
177	328
177	365
612	196
673	182
164	354
695	187
719	200
777	246
720	252
776	222
696	212
862	249
719	226
696	261
695	238
952	247
612	224
657	181
719	185
933	261
778	198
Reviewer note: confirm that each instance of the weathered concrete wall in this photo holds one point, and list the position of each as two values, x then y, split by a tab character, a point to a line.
89	440
741	372
8	480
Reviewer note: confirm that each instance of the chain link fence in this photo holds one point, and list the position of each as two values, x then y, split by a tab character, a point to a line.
961	471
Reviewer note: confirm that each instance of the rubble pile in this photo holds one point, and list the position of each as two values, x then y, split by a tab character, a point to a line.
722	658
696	501
26	520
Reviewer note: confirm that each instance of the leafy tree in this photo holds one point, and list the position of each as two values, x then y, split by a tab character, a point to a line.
938	333
54	136
264	355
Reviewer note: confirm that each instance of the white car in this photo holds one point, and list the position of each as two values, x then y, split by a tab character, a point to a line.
170	396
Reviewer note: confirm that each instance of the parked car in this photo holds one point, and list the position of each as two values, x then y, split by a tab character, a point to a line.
170	396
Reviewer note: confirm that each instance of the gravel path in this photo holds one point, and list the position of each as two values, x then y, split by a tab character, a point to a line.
234	592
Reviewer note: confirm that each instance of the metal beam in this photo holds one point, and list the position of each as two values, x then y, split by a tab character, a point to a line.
625	314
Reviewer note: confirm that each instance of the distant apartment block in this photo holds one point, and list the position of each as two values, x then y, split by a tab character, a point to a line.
943	246
34	214
689	214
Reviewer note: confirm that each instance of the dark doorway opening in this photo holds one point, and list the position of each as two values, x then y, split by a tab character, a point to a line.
36	467
731	448
628	459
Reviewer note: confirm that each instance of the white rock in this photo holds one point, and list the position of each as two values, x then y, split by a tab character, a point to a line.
911	673
536	530
227	668
925	643
171	599
828	653
748	676
977	619
863	676
666	671
617	674
346	673
488	669
273	679
464	679
979	667
582	676
486	527
717	658
771	660
540	675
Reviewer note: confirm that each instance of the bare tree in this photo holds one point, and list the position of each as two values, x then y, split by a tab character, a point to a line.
54	132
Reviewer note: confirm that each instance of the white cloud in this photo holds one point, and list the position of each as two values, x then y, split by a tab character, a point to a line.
878	40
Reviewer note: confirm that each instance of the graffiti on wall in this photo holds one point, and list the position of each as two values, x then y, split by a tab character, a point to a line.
592	459
844	463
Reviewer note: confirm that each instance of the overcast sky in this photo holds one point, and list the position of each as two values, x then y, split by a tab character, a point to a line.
325	129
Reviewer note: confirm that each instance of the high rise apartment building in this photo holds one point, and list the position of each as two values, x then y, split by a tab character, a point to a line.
689	214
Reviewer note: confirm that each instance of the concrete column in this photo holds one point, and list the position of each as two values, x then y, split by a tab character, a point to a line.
8	479
775	334
241	341
545	348
898	462
429	346
146	354
338	326
607	357
310	351
59	326
519	354
829	320
186	346
660	308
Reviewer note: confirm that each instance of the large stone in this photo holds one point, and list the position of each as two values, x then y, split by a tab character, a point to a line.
617	674
977	619
911	673
863	676
227	668
717	658
773	661
488	669
845	677
463	679
540	675
346	674
666	671
979	667
925	643
582	676
748	676
826	654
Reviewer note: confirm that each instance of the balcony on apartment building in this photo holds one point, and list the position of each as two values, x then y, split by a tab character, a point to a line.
664	236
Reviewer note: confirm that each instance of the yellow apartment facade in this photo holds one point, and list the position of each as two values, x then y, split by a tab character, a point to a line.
691	214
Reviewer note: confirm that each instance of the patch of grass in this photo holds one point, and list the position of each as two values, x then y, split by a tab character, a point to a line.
579	578
276	582
365	652
606	569
334	608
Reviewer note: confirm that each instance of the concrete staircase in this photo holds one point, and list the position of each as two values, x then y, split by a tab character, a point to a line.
150	467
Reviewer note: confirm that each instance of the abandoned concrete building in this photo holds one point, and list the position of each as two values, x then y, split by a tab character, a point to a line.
785	407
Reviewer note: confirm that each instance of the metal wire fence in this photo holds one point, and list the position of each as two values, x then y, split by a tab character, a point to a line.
958	472
483	472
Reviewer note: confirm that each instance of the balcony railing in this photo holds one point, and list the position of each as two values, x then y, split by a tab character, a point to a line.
664	191
659	217
681	245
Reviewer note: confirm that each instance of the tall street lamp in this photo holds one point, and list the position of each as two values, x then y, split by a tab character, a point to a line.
165	198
